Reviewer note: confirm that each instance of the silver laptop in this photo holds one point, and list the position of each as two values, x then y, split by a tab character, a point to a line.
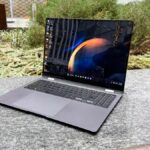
84	71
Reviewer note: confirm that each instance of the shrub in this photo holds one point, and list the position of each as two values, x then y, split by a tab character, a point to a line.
20	38
35	36
139	12
76	9
96	9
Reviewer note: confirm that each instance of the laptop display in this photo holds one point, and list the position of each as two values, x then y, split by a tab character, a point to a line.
93	52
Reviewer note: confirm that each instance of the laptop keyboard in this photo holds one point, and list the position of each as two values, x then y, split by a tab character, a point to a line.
72	92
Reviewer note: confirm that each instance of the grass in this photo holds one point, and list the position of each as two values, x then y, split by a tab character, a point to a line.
139	61
20	62
28	62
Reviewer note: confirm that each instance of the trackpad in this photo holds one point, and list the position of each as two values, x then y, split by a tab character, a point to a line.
41	103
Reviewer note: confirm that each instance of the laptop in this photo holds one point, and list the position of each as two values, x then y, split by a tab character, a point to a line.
84	71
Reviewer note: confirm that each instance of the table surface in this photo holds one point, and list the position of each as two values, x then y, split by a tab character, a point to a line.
128	125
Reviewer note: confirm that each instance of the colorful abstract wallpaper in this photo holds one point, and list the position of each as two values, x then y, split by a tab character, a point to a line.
90	51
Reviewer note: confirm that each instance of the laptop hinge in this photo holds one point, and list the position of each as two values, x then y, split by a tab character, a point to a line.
51	79
109	90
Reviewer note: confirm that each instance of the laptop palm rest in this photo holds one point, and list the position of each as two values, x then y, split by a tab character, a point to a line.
41	103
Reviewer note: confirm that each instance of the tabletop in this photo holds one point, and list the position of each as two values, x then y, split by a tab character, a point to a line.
127	125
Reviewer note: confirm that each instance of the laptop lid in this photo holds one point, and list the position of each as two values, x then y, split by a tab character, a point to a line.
87	51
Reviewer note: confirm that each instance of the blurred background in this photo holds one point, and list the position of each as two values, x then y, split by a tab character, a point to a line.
21	44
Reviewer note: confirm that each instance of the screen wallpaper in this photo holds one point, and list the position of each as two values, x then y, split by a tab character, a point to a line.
90	51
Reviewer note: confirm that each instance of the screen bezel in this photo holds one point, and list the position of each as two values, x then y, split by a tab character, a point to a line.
111	86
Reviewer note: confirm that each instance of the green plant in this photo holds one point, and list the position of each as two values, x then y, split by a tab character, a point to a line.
76	9
139	61
139	13
35	36
20	62
16	38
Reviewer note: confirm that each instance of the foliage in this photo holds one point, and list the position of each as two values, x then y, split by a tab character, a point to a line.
16	38
35	35
20	62
139	13
76	9
139	62
21	38
143	47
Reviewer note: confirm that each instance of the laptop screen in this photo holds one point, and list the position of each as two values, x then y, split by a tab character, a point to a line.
89	51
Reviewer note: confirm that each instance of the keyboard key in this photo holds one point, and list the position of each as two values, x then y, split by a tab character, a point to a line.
72	92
